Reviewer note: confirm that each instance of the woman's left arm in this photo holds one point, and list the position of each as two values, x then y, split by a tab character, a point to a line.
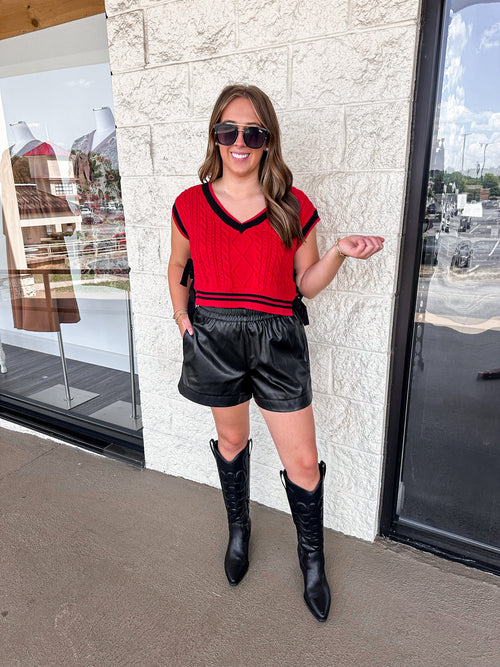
313	274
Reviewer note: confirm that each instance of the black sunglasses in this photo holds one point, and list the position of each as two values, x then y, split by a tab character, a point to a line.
253	135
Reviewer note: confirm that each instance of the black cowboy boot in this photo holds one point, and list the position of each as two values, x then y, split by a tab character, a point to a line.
307	513
235	484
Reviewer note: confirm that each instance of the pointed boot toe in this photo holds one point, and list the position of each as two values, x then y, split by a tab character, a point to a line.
318	606
318	600
316	589
236	560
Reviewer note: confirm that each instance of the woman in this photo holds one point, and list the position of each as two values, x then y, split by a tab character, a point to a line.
251	237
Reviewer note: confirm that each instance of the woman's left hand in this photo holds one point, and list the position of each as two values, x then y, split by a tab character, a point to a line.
361	247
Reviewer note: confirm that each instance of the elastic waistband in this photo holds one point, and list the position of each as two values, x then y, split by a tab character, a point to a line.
236	314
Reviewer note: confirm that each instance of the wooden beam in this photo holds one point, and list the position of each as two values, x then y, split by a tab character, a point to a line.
18	17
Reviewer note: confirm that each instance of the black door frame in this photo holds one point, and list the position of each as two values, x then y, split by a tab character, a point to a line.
425	95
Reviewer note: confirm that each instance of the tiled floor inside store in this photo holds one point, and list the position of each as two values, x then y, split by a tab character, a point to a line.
29	372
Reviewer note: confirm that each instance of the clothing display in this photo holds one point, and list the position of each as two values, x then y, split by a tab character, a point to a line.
94	158
27	172
239	264
96	169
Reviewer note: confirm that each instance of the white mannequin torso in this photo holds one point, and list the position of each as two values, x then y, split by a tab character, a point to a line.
104	125
22	137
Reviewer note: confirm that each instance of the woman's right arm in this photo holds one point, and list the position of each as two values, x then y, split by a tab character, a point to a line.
179	255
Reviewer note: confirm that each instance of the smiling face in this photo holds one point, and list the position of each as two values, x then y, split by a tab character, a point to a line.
238	159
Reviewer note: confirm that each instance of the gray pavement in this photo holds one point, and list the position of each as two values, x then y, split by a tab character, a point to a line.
106	565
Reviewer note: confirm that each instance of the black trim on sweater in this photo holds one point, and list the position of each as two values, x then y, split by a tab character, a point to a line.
310	223
178	220
225	217
256	298
243	295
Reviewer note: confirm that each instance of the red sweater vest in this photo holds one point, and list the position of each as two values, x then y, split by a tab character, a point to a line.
238	264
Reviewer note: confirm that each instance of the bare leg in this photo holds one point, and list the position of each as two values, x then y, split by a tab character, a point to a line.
295	439
233	429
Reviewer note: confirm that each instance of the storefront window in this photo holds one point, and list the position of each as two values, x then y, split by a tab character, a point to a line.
65	316
449	480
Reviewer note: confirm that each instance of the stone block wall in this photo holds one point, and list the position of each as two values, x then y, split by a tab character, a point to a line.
340	74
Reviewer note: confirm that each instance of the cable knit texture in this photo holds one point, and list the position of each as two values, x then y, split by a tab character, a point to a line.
238	264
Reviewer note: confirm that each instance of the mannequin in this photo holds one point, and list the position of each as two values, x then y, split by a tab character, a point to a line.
24	141
34	308
102	140
95	160
104	125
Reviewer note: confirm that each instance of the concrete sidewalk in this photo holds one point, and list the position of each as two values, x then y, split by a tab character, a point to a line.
106	565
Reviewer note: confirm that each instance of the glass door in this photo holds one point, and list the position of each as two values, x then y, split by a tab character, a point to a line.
66	341
449	477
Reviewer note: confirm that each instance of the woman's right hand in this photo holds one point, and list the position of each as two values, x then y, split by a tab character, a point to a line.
185	323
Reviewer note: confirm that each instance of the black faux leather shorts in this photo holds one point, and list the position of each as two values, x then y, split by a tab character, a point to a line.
237	353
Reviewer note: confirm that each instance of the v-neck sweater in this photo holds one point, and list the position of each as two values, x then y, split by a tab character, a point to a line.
239	264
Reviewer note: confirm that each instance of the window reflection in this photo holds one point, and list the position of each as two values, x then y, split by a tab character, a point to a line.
450	470
63	251
43	220
461	237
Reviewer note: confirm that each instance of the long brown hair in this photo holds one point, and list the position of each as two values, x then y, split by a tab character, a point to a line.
283	211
